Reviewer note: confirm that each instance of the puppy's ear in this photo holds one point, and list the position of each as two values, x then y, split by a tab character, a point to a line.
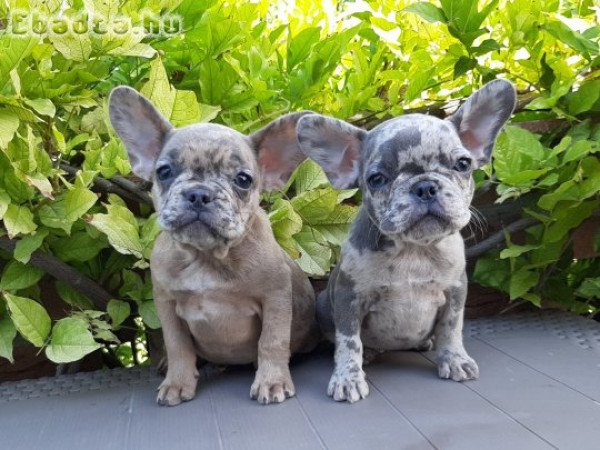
335	145
278	150
140	126
481	117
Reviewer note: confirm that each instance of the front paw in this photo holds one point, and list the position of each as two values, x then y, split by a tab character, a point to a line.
457	365
272	386
177	388
348	385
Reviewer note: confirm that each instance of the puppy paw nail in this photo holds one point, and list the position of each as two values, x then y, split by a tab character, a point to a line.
348	388
458	367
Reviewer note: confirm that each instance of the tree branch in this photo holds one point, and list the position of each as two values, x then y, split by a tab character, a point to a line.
497	239
63	272
118	185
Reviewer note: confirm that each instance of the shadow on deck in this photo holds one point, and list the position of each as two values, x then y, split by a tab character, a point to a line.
539	388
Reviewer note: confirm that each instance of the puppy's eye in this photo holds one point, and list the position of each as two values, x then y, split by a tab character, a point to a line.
377	180
462	165
163	172
243	180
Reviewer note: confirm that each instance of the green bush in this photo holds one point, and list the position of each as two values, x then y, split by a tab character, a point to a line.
64	193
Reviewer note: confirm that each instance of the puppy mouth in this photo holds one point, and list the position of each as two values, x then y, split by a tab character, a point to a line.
430	218
196	221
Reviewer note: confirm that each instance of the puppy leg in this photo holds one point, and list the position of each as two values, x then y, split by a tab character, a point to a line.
348	380
182	376
452	358
273	381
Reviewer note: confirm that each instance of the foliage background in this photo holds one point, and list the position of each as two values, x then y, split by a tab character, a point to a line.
69	207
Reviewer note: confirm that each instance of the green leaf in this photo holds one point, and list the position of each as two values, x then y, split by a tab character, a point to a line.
589	288
121	228
315	254
9	123
516	250
63	212
308	176
30	318
73	297
71	340
43	106
427	11
521	281
18	220
493	272
13	50
148	234
488	45
518	157
8	333
584	98
80	246
180	107
118	311
569	218
4	202
28	244
73	46
336	225
572	38
285	222
147	310
316	204
41	183
19	276
300	45
463	65
579	150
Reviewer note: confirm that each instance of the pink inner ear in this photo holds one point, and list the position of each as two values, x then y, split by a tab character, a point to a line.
269	161
469	140
275	168
349	158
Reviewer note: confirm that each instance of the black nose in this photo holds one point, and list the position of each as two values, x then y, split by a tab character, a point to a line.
198	197
424	190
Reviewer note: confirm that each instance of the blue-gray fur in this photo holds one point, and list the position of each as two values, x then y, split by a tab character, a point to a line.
401	279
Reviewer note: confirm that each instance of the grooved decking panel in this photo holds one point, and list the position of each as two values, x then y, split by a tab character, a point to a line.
539	388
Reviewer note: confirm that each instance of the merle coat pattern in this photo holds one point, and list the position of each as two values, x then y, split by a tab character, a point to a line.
401	281
224	289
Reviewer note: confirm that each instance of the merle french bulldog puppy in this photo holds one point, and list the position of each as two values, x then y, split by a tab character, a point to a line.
401	282
224	289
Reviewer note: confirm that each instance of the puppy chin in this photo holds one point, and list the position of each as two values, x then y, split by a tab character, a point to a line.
420	226
202	233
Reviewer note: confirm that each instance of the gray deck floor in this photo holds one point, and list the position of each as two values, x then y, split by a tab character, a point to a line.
539	388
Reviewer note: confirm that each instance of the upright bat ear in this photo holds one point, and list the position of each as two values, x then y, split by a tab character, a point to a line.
333	144
479	120
140	126
278	151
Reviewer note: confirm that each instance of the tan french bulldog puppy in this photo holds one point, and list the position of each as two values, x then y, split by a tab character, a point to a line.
224	289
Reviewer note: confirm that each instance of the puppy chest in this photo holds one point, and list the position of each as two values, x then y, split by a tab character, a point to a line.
222	327
401	317
210	308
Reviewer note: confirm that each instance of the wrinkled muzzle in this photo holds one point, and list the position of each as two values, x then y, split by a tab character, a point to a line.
424	208
203	216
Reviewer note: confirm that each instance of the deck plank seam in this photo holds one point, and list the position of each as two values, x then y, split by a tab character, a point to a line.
129	412
213	411
395	408
310	423
489	344
497	408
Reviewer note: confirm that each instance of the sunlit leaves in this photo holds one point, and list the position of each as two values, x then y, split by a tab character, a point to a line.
30	318
315	222
121	228
71	340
